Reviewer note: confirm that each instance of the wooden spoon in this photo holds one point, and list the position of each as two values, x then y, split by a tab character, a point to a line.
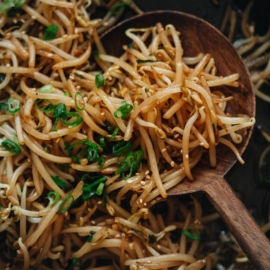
199	36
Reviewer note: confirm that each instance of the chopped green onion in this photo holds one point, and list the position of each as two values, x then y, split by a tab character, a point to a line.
118	8
187	232
102	142
77	262
109	127
90	190
54	200
100	189
13	105
55	124
121	147
130	46
139	61
62	204
76	159
99	80
101	161
114	133
152	239
46	88
78	119
50	32
96	53
123	110
60	183
8	4
67	94
60	110
90	237
11	147
2	77
48	106
131	162
79	101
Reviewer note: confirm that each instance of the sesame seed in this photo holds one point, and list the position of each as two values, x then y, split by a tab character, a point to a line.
7	65
93	222
99	202
186	156
141	201
149	261
148	177
142	183
50	55
172	164
33	17
176	135
15	21
71	77
65	36
102	114
163	150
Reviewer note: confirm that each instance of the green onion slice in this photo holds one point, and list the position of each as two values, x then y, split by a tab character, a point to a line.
100	189
60	110
48	106
192	233
102	142
60	183
54	197
118	8
139	61
11	147
50	32
99	80
123	111
77	121
121	147
46	89
6	5
96	53
77	262
13	105
79	101
114	133
90	237
62	210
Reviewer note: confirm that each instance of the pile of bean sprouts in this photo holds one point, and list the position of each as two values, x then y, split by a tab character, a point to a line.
253	48
90	148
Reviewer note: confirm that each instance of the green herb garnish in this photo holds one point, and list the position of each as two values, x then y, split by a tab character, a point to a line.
99	80
50	32
79	101
139	61
124	110
60	183
62	204
192	233
53	197
11	147
12	105
8	4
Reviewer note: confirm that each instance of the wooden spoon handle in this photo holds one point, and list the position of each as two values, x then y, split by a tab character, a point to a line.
249	236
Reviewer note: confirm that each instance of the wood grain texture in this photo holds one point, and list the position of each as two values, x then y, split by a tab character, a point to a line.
199	36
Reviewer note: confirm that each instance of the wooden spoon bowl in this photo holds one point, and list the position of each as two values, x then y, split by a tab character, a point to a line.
199	36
